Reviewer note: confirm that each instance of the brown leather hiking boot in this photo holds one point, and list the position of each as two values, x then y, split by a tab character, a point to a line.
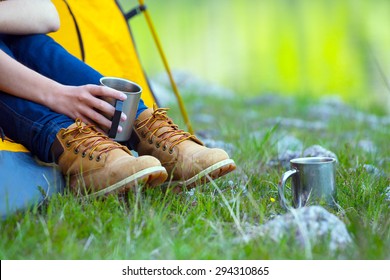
97	165
184	156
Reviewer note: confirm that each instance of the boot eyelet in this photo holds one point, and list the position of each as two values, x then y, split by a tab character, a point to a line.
150	141
143	134
83	154
63	136
76	151
98	158
158	145
164	148
170	150
68	144
90	157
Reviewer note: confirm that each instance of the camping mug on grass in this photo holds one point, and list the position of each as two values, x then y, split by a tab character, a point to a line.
129	106
313	182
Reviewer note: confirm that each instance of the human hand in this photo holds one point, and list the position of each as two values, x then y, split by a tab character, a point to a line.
86	103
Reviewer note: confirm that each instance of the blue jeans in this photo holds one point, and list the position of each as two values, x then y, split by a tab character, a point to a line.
31	124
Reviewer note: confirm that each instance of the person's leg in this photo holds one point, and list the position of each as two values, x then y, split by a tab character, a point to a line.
31	124
55	62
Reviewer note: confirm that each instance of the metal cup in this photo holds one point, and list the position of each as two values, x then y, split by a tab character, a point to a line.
313	182
129	106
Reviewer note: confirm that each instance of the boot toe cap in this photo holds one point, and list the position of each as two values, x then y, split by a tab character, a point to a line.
208	157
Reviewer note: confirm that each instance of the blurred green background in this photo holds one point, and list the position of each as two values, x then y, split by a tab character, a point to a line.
310	47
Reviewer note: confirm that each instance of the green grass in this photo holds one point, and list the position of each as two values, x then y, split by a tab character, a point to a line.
206	225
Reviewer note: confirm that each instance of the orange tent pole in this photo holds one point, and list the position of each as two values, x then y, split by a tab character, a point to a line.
167	68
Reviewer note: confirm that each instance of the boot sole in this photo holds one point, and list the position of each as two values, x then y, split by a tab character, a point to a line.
213	172
151	176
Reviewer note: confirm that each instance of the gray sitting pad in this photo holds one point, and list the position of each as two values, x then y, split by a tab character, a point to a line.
25	183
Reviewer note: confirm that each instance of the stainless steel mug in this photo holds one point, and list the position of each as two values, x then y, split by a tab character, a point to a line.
129	106
313	182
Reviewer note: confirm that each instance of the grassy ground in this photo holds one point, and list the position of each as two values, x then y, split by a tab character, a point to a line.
207	223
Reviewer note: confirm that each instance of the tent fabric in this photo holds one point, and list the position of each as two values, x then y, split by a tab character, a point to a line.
7	145
98	33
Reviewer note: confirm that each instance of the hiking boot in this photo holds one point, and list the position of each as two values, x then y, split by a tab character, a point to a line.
184	156
97	165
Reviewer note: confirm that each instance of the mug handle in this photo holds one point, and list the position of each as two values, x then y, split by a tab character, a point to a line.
281	187
116	119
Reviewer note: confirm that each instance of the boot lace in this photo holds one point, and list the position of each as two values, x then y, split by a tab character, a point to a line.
171	131
93	140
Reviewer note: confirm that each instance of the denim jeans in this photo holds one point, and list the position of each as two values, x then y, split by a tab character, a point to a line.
31	124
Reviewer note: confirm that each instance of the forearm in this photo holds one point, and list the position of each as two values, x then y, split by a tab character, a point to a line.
28	17
20	81
84	102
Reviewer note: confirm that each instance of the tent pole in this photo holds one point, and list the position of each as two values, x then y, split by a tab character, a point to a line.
167	68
